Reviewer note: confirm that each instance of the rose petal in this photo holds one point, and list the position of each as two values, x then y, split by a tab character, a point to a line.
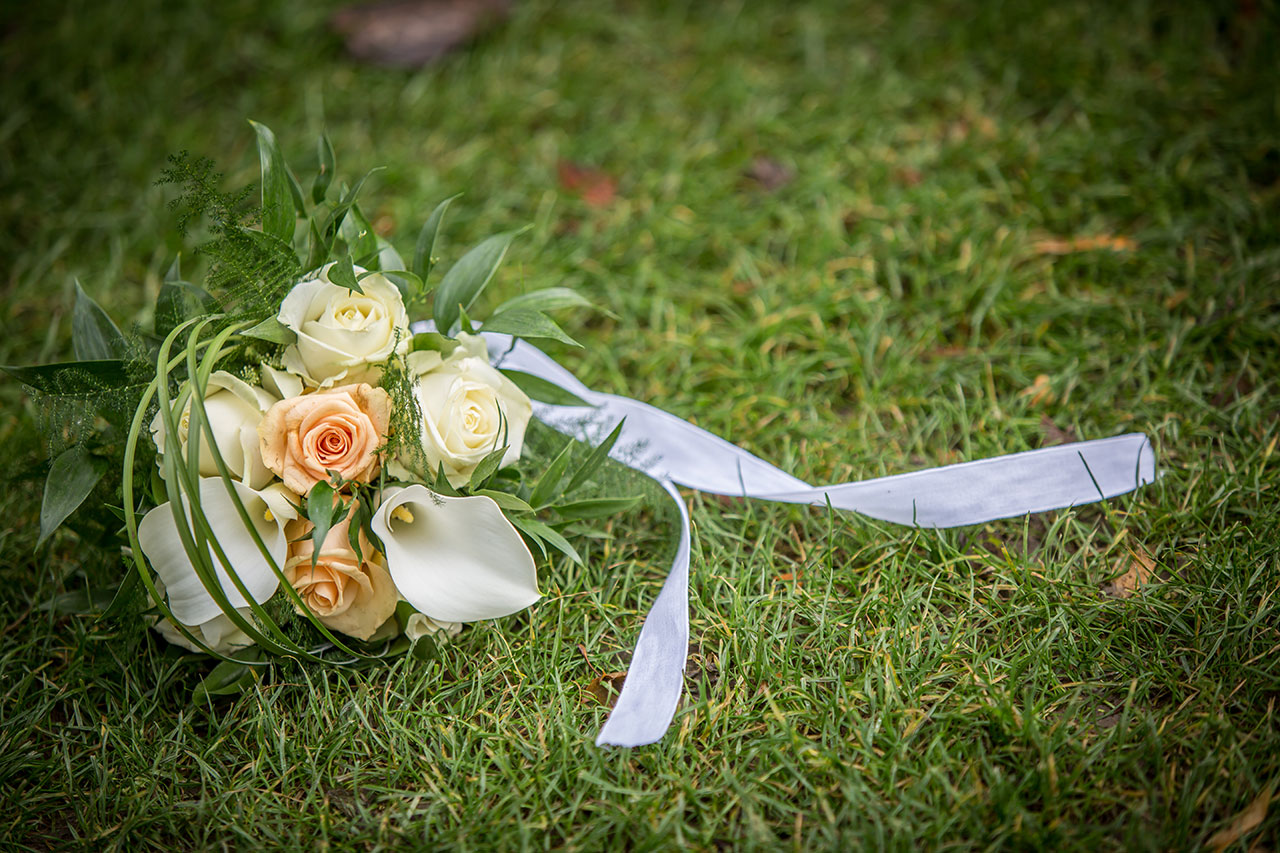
190	602
474	346
281	383
421	625
372	606
254	397
459	559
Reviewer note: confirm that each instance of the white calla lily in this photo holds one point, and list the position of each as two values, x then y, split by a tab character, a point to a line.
454	559
219	634
189	601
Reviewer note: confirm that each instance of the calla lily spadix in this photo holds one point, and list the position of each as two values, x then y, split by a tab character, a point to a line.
189	601
454	559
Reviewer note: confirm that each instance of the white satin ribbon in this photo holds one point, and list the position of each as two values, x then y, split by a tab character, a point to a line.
673	451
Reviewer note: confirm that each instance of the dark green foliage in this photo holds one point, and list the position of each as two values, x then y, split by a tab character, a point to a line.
72	477
249	271
467	279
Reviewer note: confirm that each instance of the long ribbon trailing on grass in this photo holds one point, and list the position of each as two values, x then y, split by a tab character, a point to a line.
675	452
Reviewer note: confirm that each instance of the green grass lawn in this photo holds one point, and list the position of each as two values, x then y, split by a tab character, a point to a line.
899	302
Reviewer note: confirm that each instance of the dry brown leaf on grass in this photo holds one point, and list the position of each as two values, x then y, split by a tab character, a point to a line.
1039	391
1054	434
770	173
594	186
1070	245
412	33
1134	568
1248	820
908	176
605	687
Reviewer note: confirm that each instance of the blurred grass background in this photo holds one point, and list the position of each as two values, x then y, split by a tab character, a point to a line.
981	228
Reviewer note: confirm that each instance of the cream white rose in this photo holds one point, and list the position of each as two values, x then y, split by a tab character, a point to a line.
343	336
469	410
235	408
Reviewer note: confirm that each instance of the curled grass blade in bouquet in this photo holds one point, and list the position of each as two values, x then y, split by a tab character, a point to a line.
302	476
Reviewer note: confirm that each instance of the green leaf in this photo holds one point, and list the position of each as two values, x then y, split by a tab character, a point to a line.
464	323
547	299
549	535
178	301
174	273
157	487
398	647
269	245
426	650
442	485
334	223
361	517
403	611
229	677
389	260
528	324
466	279
549	482
79	601
519	523
389	272
93	335
273	331
73	378
596	507
124	596
362	242
318	247
324	177
505	501
409	285
424	251
343	274
295	190
321	512
72	477
541	389
278	205
433	341
598	454
485	469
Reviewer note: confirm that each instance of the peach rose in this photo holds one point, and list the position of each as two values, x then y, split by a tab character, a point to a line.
345	592
304	438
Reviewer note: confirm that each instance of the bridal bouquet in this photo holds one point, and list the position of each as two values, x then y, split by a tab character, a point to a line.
307	473
299	470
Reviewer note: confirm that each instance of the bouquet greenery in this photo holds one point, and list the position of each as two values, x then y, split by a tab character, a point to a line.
301	474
